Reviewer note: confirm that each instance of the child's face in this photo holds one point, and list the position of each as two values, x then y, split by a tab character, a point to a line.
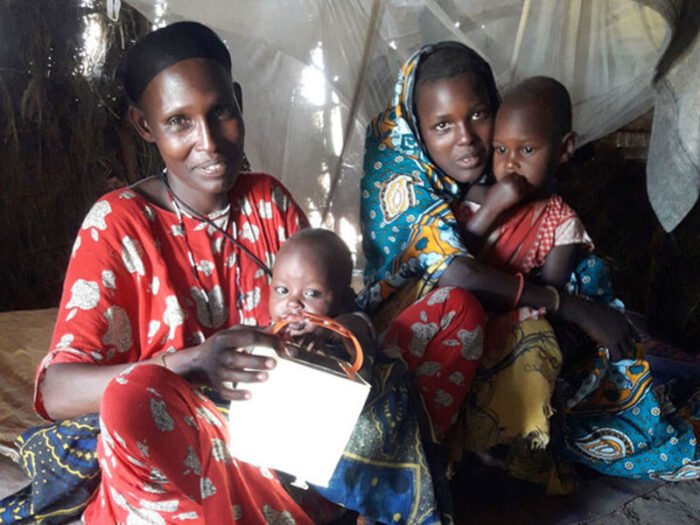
456	124
301	282
524	143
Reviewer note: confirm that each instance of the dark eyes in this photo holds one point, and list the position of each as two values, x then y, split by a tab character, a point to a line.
182	122
177	121
224	112
309	294
476	116
527	150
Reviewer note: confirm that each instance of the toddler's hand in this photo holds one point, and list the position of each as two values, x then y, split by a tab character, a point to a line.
507	192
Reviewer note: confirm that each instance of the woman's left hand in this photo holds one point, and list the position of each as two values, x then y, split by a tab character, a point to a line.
606	326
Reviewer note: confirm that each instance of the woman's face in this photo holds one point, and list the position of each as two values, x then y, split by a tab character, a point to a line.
456	124
190	111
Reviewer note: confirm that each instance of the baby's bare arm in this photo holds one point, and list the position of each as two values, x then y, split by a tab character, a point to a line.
476	193
361	328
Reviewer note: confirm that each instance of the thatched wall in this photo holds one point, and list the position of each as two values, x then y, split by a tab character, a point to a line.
64	143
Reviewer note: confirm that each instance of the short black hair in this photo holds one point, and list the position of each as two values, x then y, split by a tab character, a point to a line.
446	60
331	249
166	46
550	96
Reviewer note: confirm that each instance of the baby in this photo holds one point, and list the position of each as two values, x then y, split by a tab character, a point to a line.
312	274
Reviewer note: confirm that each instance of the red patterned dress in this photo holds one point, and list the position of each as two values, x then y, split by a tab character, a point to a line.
528	232
142	281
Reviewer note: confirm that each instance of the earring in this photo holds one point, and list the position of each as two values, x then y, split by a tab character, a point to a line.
245	165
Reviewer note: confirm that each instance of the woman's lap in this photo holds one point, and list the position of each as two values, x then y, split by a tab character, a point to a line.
619	424
164	455
440	338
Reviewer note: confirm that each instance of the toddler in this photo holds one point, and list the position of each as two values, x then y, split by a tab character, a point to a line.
519	224
312	274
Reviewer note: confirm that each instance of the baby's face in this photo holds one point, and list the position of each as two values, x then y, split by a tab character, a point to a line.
524	143
301	282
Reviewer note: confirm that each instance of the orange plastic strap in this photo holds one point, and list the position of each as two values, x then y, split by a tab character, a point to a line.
331	325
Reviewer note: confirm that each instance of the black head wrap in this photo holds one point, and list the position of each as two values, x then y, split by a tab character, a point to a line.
166	46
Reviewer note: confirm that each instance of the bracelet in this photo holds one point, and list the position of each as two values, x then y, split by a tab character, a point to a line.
160	359
557	299
521	285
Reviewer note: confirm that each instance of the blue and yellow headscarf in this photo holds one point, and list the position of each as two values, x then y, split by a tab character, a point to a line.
410	234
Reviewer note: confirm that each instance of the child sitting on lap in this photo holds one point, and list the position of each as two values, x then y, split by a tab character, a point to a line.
615	423
312	274
519	224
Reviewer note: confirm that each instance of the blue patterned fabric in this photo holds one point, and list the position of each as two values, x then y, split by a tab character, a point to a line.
618	425
617	422
61	461
391	470
591	279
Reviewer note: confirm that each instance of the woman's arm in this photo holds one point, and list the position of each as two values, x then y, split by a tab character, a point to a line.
72	389
498	290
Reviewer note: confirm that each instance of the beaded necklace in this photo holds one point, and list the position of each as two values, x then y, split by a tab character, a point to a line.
217	221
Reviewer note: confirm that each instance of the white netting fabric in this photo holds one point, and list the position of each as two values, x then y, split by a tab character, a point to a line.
314	72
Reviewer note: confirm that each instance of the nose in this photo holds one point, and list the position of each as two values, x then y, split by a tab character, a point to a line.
294	304
206	140
512	160
465	134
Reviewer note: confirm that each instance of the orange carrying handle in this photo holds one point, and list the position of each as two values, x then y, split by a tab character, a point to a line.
331	325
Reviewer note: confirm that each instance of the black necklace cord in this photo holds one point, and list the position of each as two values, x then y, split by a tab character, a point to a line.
205	219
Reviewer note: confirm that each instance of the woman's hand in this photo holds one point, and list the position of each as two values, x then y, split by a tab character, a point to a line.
224	362
606	326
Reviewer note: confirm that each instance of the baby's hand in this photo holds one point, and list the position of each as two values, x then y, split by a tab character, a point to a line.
507	192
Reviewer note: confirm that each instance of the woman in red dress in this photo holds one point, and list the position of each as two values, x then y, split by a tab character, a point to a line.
156	300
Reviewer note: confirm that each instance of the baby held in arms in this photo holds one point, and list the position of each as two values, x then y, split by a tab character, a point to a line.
312	274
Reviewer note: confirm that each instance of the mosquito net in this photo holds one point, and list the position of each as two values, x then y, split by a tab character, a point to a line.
314	72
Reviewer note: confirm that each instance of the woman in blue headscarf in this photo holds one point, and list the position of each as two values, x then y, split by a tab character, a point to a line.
422	155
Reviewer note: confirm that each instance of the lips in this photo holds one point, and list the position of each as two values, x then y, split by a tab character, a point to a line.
213	167
297	325
469	161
